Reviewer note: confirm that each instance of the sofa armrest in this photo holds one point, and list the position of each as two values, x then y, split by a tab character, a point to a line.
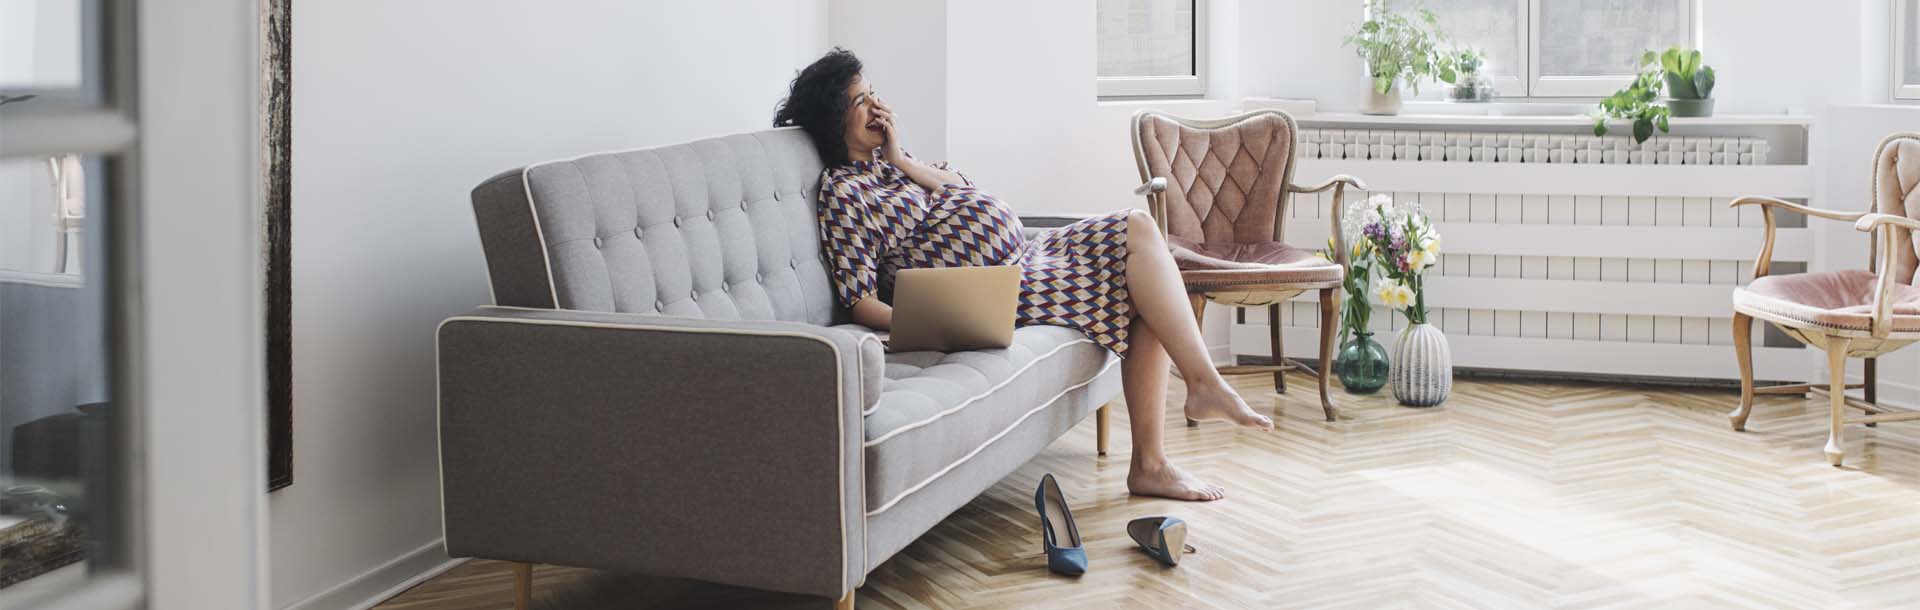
724	451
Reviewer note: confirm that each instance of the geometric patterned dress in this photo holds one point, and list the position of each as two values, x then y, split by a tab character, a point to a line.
875	221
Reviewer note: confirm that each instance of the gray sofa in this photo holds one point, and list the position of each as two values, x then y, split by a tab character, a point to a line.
666	385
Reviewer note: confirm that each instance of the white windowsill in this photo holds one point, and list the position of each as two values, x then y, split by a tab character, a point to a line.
1508	114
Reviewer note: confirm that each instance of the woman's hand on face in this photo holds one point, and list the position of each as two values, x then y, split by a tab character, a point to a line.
883	114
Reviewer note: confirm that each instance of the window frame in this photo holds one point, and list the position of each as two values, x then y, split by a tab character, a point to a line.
1163	86
1546	85
1898	87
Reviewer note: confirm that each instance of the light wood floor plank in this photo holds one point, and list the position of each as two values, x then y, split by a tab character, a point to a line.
1512	495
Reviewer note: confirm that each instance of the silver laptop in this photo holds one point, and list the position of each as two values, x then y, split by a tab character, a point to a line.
954	308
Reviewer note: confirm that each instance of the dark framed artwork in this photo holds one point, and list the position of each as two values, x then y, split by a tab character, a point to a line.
276	95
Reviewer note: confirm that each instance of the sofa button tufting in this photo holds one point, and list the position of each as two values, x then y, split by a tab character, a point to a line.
636	232
599	243
726	288
676	221
695	296
659	305
743	205
710	215
793	264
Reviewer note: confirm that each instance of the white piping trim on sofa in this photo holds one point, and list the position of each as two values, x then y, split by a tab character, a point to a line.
976	397
840	415
983	445
539	235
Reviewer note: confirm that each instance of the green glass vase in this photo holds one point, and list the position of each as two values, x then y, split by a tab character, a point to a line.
1362	364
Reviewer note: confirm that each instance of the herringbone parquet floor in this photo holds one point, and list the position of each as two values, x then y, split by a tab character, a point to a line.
1512	495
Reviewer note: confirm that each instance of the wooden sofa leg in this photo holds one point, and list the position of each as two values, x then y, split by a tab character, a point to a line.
844	603
522	586
1100	422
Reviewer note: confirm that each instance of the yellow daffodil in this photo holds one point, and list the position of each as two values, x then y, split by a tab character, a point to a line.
1421	259
1395	295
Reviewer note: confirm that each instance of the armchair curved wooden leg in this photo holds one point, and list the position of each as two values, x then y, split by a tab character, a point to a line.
1743	353
1328	328
1836	397
844	603
1199	301
1276	347
1871	387
522	586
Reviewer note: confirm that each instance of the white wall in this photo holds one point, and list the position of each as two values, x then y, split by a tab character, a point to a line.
903	47
399	109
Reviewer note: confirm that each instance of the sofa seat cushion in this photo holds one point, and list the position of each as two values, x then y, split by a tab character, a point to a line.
936	409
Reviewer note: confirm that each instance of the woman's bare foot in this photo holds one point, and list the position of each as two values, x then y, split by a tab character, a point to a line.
1223	404
1165	481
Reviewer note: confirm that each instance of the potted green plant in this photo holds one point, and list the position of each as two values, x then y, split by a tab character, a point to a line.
1689	89
1689	83
1637	102
1399	48
1462	68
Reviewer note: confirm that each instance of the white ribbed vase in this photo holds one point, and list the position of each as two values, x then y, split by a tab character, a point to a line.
1422	373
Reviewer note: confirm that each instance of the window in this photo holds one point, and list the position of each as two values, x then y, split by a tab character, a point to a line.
1152	47
1906	49
67	425
1566	48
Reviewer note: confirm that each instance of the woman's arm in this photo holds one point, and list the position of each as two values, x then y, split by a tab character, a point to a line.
873	313
927	176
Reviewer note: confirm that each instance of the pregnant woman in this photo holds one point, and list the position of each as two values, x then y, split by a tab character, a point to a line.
1110	276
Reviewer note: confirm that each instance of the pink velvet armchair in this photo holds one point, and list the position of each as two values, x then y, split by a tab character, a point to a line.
1848	313
1219	189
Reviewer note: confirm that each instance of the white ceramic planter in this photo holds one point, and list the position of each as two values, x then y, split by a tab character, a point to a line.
1422	374
1382	103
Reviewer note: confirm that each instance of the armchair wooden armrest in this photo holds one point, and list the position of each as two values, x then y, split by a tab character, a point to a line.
1330	182
1764	262
1883	263
1156	185
1339	184
1154	190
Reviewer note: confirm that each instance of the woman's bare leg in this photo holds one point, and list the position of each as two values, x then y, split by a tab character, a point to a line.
1143	374
1158	295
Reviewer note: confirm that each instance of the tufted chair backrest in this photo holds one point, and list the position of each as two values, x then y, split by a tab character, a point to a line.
719	228
1896	191
1227	178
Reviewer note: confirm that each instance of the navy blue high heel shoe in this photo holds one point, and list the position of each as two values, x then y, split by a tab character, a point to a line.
1059	536
1162	538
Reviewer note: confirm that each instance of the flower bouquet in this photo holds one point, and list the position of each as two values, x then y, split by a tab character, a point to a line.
1404	244
1362	363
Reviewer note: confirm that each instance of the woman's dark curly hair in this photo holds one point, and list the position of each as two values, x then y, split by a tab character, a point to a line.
817	102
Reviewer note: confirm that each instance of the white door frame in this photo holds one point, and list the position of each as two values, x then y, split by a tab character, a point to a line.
200	274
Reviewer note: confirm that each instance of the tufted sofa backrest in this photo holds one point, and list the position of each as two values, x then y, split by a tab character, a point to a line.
719	228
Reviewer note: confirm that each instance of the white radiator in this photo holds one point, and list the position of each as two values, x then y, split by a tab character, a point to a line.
1589	268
